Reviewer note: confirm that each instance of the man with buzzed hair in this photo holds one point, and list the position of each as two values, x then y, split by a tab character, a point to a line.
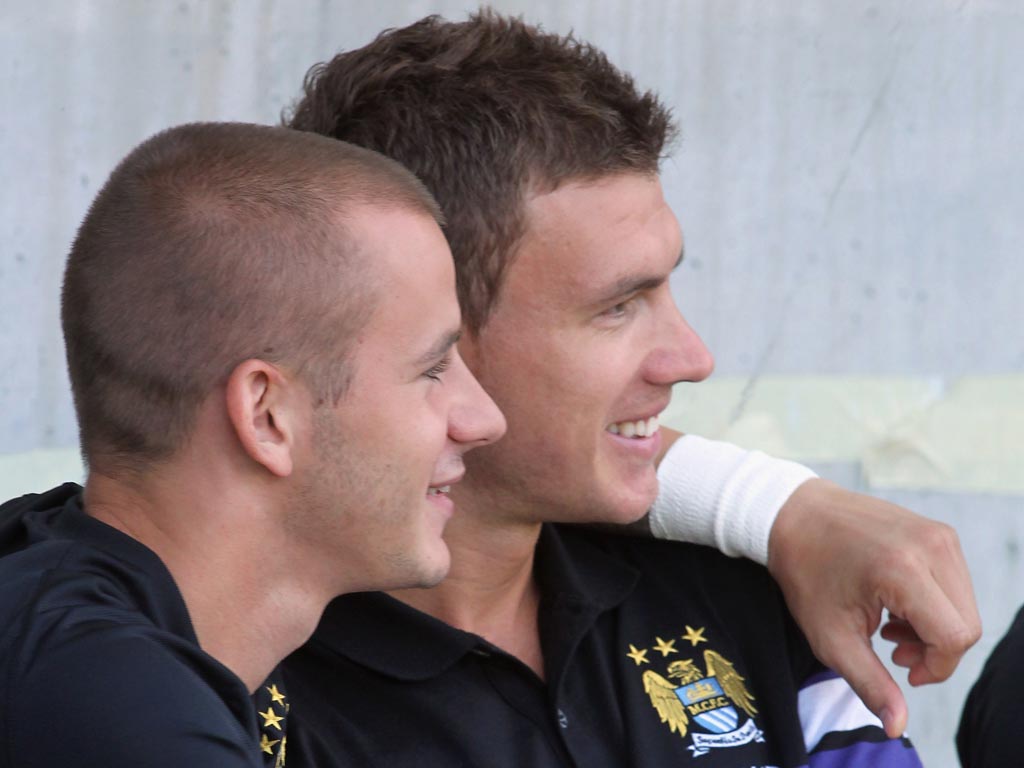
260	328
551	646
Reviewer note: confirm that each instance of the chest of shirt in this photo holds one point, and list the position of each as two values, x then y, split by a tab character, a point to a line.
623	689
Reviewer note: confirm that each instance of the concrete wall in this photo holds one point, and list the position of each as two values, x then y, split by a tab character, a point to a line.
847	182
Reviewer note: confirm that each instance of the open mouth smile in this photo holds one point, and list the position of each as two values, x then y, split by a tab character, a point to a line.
634	429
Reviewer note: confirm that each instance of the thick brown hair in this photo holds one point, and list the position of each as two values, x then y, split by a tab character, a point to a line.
486	112
208	245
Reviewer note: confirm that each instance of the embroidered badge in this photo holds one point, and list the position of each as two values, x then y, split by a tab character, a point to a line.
713	699
273	741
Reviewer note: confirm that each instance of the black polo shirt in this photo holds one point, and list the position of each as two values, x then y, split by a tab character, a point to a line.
989	733
99	663
656	654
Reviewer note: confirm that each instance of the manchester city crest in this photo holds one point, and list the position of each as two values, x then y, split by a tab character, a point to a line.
711	707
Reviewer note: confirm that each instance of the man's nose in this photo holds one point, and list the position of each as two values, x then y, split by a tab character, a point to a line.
680	354
475	418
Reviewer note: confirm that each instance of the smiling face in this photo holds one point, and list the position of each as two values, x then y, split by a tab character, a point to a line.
581	353
383	456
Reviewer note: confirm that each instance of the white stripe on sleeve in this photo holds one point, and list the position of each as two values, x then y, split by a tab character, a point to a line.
831	706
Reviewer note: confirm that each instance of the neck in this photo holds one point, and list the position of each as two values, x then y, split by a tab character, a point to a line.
490	589
250	607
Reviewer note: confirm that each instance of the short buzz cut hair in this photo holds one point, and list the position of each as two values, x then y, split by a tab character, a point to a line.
211	244
486	112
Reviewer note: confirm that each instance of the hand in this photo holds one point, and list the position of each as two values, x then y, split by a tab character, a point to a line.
841	558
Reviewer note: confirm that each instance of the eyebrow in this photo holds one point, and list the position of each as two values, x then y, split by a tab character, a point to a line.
440	347
636	283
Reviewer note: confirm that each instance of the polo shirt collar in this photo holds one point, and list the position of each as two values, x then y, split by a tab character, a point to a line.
573	568
381	633
579	580
384	634
60	513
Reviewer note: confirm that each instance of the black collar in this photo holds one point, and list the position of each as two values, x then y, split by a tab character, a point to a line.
578	577
60	513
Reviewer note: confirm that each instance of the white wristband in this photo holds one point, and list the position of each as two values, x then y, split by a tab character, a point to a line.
721	495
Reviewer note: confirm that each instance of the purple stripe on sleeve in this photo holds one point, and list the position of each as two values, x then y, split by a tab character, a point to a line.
884	754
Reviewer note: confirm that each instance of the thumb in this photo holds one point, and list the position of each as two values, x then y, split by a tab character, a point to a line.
855	660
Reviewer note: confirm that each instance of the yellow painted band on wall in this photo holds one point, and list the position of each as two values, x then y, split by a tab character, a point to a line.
919	433
37	471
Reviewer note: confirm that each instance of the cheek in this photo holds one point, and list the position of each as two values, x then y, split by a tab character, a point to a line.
551	371
556	388
542	404
553	425
590	383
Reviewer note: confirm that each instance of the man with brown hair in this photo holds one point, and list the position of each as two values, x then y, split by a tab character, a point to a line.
260	328
548	645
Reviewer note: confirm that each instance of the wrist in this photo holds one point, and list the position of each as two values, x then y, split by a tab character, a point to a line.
718	494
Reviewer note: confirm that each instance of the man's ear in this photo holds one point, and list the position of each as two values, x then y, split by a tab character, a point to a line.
267	409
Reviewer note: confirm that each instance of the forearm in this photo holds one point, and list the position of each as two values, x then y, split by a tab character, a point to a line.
841	558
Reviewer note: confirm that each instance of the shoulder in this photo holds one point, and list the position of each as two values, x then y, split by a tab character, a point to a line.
995	706
115	693
59	589
57	560
713	601
674	564
89	677
679	579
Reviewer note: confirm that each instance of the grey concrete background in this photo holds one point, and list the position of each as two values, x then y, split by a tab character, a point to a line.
849	182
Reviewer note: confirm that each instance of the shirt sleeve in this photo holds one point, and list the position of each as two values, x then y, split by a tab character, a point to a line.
990	726
120	700
840	732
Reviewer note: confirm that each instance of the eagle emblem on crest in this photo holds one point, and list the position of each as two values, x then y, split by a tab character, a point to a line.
706	707
709	698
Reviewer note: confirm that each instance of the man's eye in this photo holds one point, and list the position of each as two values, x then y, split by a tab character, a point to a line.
620	309
435	371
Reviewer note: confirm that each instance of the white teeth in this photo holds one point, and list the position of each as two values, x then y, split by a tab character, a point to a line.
639	428
439	490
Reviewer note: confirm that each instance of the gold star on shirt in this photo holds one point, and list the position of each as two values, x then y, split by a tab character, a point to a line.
665	647
275	695
267	744
694	635
270	717
637	655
